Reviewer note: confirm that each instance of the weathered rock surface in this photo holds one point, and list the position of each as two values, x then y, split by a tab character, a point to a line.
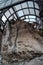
21	42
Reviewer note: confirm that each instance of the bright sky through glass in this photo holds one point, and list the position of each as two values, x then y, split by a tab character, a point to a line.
27	11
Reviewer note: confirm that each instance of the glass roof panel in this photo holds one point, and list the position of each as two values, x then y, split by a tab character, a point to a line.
32	11
22	17
30	16
27	20
11	10
27	17
15	16
30	4
37	12
24	5
7	14
11	18
20	13
4	18
17	7
33	20
26	11
36	6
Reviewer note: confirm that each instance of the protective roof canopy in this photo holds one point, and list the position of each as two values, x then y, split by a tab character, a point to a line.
27	11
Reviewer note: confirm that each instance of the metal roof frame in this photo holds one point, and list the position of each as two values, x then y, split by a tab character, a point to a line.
4	10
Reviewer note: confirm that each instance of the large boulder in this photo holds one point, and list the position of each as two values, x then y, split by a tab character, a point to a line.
20	41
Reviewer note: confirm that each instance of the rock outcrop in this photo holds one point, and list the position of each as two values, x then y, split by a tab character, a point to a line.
20	42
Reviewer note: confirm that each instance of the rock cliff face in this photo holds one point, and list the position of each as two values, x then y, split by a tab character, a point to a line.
20	41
